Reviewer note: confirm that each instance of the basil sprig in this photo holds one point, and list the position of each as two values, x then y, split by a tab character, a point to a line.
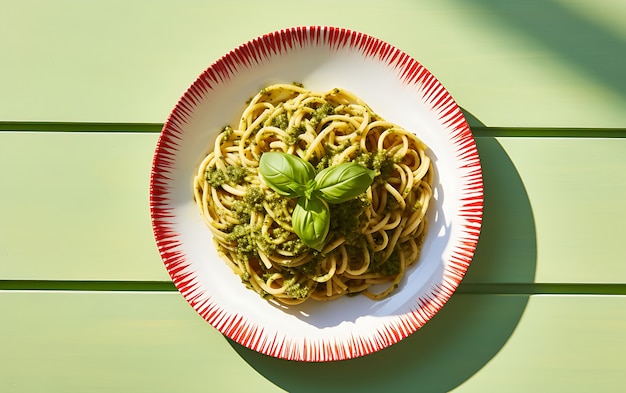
343	182
285	173
311	220
291	176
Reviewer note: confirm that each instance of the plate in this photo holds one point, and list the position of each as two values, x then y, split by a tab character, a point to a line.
398	88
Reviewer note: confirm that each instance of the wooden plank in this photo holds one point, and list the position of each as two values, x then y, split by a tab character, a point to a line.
76	206
110	342
553	211
577	190
533	63
561	344
544	222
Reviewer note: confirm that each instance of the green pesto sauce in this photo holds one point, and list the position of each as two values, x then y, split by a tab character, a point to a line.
254	198
242	211
228	132
293	134
383	163
215	177
311	268
329	153
242	234
278	204
295	289
298	290
326	109
232	175
295	246
249	240
389	267
391	204
252	201
347	217
379	161
281	121
321	111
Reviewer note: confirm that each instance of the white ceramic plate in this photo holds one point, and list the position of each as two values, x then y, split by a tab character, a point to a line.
399	89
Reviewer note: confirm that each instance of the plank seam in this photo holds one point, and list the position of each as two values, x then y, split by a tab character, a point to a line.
168	286
478	131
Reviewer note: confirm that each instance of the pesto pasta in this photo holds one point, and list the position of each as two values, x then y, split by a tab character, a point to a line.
372	238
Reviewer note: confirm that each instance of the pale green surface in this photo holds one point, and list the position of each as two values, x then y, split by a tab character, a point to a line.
151	342
75	205
577	190
607	14
114	342
562	344
541	223
534	63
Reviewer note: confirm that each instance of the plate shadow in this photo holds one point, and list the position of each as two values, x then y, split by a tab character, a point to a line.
468	331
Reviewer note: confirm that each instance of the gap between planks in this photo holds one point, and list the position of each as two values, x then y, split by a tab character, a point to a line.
168	286
478	131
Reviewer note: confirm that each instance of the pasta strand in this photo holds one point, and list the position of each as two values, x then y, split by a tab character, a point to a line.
373	239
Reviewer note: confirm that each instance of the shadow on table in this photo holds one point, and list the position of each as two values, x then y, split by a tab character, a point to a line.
588	45
470	329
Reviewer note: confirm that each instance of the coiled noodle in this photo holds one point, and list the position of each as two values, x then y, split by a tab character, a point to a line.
373	238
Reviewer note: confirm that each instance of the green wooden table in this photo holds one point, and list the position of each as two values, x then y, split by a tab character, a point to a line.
87	306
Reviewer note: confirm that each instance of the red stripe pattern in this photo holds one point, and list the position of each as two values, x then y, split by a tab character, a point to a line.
237	327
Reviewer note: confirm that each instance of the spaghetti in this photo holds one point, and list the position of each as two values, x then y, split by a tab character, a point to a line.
373	238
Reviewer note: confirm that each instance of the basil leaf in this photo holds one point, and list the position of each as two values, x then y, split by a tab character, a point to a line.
286	174
311	220
343	182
